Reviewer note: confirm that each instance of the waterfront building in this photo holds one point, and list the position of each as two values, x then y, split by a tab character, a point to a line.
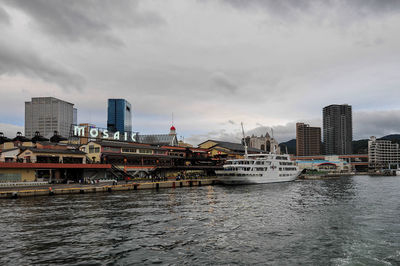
265	143
9	155
226	150
358	162
383	154
122	153
44	161
139	159
337	129
119	115
36	155
46	115
308	140
331	164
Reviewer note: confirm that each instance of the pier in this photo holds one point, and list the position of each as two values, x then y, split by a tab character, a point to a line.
53	190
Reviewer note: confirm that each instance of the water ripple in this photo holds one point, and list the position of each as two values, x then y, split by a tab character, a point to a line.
345	221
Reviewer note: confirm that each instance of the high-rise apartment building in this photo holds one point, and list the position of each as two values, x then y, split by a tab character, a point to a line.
308	140
382	154
46	115
119	115
337	129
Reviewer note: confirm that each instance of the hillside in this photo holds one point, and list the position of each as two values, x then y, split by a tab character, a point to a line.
291	146
393	137
359	146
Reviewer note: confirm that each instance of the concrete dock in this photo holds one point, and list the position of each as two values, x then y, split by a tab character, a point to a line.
52	190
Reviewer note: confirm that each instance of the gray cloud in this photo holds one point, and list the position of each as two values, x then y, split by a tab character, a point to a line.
14	61
4	17
208	64
376	123
365	124
292	9
223	82
86	20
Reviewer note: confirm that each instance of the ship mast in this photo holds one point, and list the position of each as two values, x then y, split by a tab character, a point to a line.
244	140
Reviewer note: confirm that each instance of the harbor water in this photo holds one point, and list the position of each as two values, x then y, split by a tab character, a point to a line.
344	221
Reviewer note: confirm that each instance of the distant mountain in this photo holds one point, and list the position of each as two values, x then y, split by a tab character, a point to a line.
393	137
291	146
359	146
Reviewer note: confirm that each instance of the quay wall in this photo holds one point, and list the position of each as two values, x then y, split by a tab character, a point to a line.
17	175
107	188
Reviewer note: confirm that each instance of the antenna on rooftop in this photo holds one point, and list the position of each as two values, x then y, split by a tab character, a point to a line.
244	140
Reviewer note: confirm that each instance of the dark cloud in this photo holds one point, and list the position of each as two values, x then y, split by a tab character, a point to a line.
14	61
86	20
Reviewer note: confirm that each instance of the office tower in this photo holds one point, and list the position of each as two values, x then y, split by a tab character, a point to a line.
338	129
308	140
46	115
119	115
75	116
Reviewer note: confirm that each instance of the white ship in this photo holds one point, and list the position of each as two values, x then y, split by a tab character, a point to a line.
258	169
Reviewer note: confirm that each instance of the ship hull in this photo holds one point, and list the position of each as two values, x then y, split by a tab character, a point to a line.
247	180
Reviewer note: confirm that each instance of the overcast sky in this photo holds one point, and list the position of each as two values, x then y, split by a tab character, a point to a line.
212	63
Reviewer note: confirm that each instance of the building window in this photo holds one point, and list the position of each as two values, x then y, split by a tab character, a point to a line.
146	151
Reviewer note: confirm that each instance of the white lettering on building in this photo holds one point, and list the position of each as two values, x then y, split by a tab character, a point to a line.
94	132
79	131
105	134
116	135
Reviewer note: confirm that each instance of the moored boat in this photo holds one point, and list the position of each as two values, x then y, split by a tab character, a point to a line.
258	169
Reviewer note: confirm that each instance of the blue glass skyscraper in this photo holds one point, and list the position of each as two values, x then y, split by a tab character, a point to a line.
119	115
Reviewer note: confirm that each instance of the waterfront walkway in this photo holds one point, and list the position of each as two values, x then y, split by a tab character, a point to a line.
58	189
